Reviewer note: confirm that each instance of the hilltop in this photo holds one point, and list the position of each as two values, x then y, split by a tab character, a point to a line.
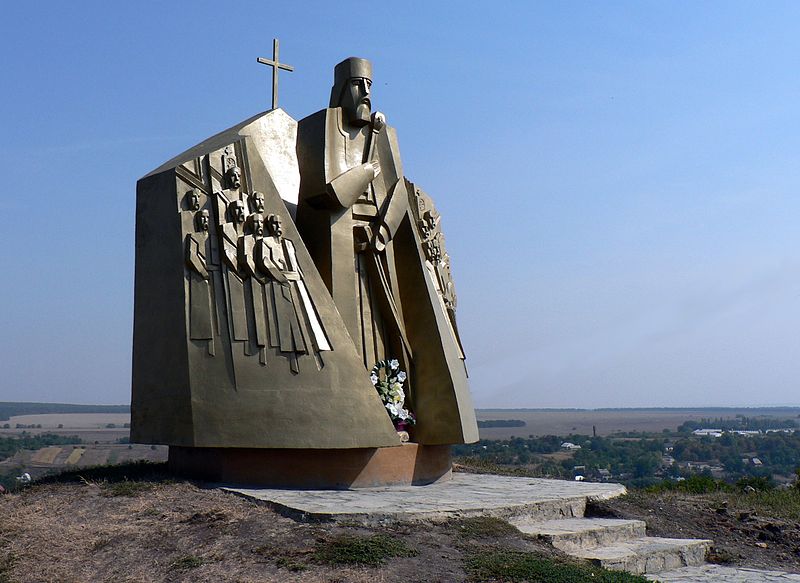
136	523
101	526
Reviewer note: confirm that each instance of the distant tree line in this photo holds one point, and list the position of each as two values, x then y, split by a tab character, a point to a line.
10	409
740	422
501	423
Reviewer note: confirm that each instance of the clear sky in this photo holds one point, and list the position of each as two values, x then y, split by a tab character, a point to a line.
618	180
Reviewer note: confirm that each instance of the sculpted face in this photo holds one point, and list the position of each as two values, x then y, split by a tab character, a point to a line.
202	220
275	227
258	225
237	211
355	100
258	202
234	176
193	200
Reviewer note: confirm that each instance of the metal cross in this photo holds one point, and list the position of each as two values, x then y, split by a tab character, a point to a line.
275	64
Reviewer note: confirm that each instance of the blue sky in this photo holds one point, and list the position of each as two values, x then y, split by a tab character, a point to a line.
618	180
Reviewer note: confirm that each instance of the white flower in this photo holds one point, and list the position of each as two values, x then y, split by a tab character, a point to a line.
401	376
400	395
402	413
394	364
393	409
394	387
374	378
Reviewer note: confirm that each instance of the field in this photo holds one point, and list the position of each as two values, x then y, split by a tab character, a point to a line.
90	427
607	421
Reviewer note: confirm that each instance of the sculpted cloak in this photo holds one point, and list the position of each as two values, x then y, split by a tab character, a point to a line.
359	218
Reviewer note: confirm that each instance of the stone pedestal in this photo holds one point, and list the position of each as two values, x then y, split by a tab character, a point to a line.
407	464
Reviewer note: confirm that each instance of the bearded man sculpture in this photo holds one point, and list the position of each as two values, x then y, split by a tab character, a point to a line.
254	340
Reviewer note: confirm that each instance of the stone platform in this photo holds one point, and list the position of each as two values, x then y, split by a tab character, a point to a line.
551	510
505	497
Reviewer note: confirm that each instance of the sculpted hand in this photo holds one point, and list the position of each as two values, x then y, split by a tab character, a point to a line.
376	169
362	237
378	121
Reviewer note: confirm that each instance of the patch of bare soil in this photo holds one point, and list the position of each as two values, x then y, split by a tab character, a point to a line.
745	533
177	531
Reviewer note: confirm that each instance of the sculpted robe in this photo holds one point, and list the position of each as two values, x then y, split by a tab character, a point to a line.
386	293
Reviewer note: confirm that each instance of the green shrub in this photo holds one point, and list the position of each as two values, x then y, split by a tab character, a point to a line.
696	484
372	550
761	484
186	562
290	564
518	566
484	527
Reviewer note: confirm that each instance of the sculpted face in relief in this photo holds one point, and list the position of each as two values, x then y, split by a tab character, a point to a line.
237	212
257	202
193	200
203	220
356	102
257	225
234	176
274	226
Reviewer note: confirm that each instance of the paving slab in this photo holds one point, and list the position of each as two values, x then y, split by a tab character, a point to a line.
465	495
719	574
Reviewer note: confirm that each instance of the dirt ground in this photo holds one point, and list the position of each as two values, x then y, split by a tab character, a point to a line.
742	536
177	531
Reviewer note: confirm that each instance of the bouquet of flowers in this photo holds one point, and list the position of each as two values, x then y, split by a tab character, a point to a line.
388	379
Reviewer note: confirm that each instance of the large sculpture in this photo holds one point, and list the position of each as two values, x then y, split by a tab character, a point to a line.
276	263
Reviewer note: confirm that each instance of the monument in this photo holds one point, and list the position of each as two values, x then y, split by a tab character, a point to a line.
294	311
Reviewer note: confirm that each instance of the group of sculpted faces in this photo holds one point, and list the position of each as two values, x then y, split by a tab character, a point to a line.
261	234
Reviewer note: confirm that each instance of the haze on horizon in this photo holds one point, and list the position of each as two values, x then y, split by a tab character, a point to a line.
618	181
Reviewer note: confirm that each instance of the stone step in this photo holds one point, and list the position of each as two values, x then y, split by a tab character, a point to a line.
648	554
571	534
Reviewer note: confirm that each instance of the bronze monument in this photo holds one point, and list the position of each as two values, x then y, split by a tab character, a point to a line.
277	263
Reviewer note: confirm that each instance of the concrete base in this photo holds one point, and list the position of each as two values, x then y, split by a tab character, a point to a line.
405	465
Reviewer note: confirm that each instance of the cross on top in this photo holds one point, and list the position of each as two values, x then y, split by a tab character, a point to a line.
275	64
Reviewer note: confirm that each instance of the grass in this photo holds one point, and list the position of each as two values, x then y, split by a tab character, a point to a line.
186	562
762	499
371	551
500	565
6	564
126	488
143	471
484	527
290	564
476	465
783	504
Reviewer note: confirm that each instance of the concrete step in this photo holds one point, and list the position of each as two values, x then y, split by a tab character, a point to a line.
572	534
648	554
